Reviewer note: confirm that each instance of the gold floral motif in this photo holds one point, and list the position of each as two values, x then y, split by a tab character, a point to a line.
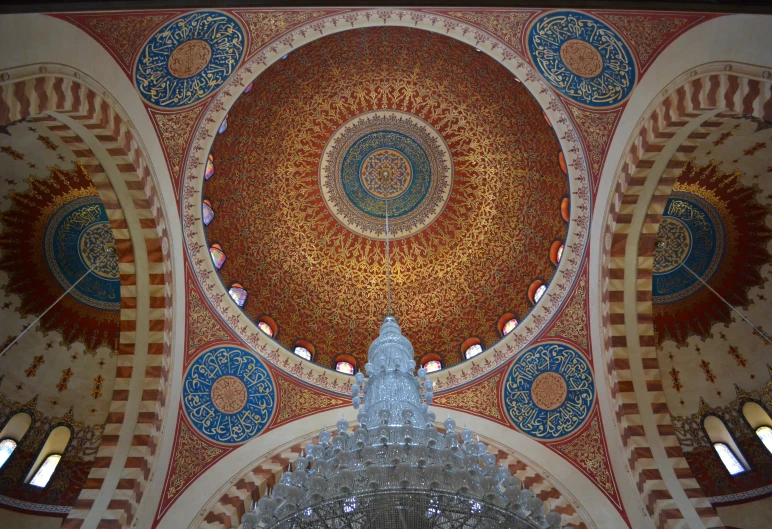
477	398
265	27
189	58
191	455
507	26
596	128
202	325
549	391
175	129
581	58
296	400
229	394
646	33
587	450
573	322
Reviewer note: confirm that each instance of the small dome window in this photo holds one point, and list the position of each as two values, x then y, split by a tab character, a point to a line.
209	173
265	328
7	446
728	458
223	125
238	294
509	326
765	434
46	470
432	365
248	89
560	253
536	291
344	367
218	256
562	162
473	350
565	208
302	352
207	212
539	293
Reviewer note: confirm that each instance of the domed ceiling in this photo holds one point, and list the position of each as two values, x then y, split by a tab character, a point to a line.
460	149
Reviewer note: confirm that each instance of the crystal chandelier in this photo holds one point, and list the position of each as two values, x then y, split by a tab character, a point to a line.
397	470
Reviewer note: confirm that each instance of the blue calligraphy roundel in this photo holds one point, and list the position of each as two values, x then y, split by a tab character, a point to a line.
583	58
228	395
549	391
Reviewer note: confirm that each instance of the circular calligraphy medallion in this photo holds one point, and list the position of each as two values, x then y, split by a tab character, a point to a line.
386	154
676	241
549	391
228	395
189	58
693	235
386	173
76	239
583	58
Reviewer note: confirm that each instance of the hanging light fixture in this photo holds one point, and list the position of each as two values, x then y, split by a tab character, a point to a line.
396	470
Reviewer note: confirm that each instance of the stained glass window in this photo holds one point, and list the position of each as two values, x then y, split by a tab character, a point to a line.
539	293
248	89
223	125
218	256
208	212
729	460
303	352
209	167
46	470
432	365
345	367
238	294
265	328
473	350
509	326
7	446
560	252
764	433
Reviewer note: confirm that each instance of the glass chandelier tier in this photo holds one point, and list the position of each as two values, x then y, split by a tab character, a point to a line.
396	469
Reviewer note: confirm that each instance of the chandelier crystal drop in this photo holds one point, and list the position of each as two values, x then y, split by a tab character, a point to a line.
396	469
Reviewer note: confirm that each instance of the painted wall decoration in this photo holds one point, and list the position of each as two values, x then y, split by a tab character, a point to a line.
386	155
716	226
54	232
583	58
228	395
549	391
189	58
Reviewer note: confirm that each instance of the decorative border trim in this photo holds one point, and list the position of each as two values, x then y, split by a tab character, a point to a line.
36	507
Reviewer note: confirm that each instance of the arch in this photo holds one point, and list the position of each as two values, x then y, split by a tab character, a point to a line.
719	435
105	143
556	252
341	361
304	344
689	109
56	444
16	426
431	362
268	324
471	347
760	422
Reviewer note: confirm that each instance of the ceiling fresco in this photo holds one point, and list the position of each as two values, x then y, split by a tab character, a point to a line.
717	223
474	195
53	229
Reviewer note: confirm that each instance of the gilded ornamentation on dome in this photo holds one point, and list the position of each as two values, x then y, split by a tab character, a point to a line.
582	58
228	395
188	59
549	391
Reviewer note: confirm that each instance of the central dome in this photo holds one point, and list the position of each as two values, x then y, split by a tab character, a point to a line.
459	148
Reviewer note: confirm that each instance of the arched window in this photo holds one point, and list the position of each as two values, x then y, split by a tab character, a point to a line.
473	350
248	89
724	444
238	294
49	457
302	352
560	252
759	420
209	167
218	256
223	125
539	293
265	328
556	252
729	460
344	367
509	326
565	206
46	470
562	162
765	434
207	213
7	446
432	365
